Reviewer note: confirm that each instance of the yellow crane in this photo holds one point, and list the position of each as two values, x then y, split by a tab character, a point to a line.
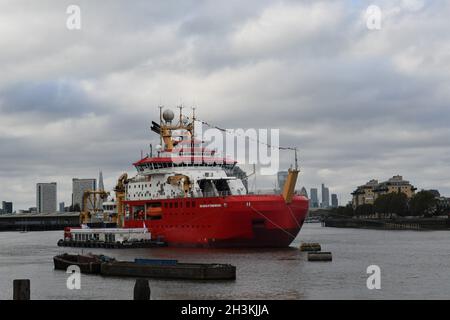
120	191
86	214
289	185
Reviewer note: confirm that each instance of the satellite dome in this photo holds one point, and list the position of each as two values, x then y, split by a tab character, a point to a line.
168	115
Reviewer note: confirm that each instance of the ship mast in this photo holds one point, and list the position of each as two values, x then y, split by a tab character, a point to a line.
160	124
167	127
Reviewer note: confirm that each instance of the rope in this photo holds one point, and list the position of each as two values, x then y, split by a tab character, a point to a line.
276	225
257	140
293	216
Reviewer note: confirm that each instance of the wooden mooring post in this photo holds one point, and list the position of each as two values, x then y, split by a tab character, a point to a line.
141	290
21	289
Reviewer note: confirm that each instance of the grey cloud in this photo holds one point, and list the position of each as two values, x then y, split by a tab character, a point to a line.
53	98
359	104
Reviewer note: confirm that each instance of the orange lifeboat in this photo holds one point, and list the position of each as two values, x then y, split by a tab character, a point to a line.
154	211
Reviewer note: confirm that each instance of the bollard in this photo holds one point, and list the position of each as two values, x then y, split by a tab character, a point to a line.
141	290
21	289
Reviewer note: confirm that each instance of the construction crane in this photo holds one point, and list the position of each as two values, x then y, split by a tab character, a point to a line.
86	214
289	185
120	190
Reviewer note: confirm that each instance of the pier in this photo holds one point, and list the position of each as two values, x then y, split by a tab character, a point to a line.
39	222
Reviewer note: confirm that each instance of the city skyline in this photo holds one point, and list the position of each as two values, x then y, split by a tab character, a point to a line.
312	193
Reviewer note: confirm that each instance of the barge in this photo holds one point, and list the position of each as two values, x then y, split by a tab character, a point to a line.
87	263
186	271
147	268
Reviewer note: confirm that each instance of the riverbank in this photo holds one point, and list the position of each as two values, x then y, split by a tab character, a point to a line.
419	224
39	222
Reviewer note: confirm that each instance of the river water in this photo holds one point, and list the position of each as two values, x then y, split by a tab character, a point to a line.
414	265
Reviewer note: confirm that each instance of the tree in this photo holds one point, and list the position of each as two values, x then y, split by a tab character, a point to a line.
392	203
364	210
75	208
344	211
423	203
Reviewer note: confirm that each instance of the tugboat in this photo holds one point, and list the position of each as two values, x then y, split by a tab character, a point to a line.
188	195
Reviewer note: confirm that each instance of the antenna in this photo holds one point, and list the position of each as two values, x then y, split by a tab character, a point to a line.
254	179
181	113
193	121
160	123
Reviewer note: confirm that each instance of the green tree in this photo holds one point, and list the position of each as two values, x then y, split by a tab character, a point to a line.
364	210
422	203
392	203
344	211
75	208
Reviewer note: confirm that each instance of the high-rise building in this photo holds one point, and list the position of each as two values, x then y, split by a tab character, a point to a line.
303	192
62	206
314	200
334	201
101	187
46	197
281	179
7	207
325	197
79	186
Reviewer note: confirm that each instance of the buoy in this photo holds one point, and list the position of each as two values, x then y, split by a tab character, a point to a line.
310	246
319	256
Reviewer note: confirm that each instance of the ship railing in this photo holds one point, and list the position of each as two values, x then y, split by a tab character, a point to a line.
212	194
142	179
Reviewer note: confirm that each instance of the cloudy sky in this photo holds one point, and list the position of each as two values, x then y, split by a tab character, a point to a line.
358	103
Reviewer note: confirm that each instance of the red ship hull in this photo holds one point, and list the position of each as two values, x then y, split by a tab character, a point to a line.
230	221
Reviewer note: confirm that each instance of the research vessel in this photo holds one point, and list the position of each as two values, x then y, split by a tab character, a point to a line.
189	195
